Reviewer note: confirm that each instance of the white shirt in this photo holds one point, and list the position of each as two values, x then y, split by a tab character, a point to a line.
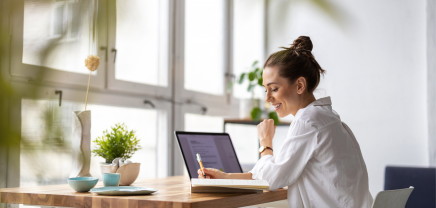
320	162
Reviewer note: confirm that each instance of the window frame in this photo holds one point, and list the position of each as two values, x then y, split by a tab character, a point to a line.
217	105
183	94
173	99
264	45
126	86
24	77
226	105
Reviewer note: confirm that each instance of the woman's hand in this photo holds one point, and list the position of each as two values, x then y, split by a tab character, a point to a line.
266	131
212	173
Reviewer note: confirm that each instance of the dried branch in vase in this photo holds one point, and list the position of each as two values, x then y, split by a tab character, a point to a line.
91	62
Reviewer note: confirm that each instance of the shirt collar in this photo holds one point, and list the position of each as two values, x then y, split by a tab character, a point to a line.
319	102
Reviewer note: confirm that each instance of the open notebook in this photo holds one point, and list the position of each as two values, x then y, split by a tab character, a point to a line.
228	185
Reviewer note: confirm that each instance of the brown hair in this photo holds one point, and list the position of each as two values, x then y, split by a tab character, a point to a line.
297	61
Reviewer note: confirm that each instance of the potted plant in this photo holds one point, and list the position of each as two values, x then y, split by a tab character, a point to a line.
254	79
116	146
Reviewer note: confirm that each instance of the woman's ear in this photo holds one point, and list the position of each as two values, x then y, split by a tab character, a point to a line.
301	85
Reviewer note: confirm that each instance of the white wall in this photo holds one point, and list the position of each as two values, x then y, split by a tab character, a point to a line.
376	73
431	77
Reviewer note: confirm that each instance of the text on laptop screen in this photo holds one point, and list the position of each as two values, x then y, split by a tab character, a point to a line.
216	152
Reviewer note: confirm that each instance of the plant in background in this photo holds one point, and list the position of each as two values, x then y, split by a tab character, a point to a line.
254	78
118	143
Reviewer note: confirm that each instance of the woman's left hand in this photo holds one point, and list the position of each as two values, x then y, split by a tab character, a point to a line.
266	131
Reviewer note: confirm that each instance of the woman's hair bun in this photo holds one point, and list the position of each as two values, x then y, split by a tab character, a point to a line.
302	43
297	61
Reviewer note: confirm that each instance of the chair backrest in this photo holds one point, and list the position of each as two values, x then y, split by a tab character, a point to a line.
392	198
423	179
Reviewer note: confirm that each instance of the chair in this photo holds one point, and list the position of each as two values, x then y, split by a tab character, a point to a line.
423	179
392	198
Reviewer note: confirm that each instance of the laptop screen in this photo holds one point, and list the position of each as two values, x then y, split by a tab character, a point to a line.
216	151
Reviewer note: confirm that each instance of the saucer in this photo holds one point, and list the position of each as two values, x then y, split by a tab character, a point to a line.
122	190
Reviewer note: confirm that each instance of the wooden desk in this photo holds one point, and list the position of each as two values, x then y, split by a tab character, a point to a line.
173	192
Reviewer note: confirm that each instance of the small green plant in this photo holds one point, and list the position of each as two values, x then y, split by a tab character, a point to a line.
118	143
254	77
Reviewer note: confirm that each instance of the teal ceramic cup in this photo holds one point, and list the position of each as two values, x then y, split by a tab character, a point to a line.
111	179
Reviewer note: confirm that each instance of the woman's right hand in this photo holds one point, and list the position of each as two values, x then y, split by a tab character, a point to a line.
213	174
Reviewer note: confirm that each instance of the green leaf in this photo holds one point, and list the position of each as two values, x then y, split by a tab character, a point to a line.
241	78
254	63
250	87
256	113
260	81
251	76
256	71
273	115
229	87
259	73
337	14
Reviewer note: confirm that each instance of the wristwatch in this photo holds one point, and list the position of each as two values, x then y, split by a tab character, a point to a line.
263	148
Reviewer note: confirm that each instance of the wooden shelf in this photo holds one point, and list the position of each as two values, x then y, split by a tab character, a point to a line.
250	122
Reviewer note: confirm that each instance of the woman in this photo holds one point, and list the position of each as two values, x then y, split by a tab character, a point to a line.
320	160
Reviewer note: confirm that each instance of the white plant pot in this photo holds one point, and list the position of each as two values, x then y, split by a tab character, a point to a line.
108	168
245	107
129	172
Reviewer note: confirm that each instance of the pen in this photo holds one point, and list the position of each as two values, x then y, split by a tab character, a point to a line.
201	164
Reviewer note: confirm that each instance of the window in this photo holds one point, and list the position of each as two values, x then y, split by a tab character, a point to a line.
203	123
51	40
246	142
141	41
248	40
204	46
206	33
58	20
65	17
45	153
46	131
138	47
58	34
163	63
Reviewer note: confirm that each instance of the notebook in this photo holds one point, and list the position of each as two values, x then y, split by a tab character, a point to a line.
228	185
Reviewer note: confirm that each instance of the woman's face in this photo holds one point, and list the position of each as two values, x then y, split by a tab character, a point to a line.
283	96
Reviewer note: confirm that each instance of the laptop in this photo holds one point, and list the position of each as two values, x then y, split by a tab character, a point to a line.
216	151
